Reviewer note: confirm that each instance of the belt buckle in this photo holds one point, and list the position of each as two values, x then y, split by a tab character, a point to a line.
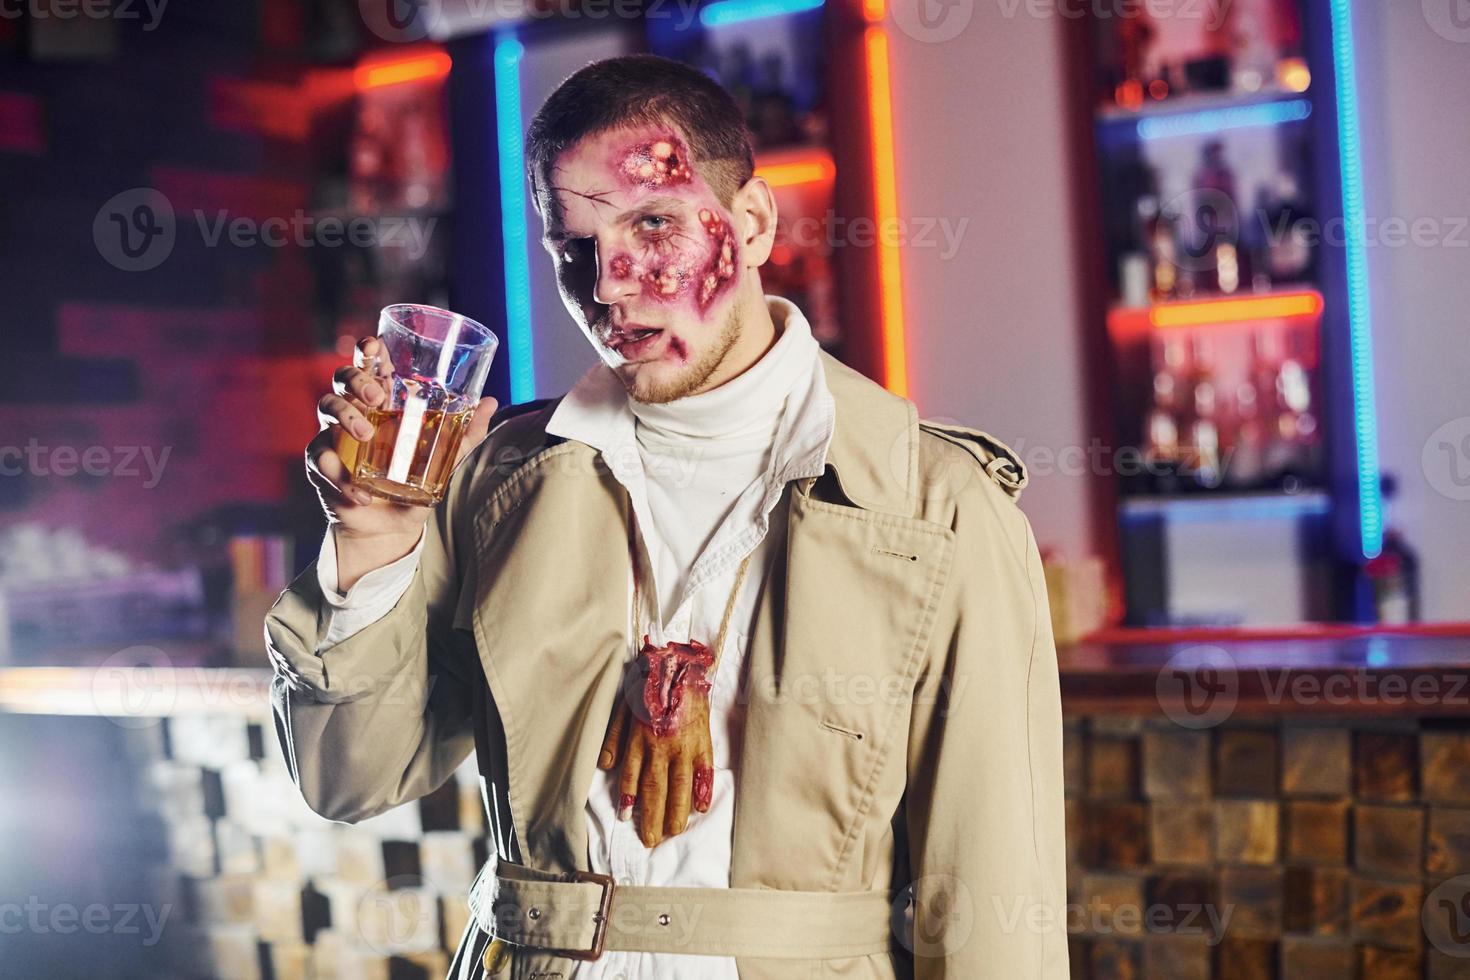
604	910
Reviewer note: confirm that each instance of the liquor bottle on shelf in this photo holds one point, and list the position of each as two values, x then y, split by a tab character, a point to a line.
1394	573
1204	429
1287	226
1134	35
1294	387
1161	239
1255	62
1246	467
1255	242
1167	419
1214	228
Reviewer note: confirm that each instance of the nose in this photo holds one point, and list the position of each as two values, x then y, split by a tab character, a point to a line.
616	279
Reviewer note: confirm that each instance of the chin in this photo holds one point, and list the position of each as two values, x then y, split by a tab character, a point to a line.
652	383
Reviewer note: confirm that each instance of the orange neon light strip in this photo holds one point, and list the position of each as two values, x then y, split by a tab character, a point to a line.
416	69
885	189
817	169
1282	306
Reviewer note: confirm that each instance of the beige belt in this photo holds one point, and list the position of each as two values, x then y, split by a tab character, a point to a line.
581	914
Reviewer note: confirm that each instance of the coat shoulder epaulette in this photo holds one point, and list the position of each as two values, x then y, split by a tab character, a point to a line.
998	460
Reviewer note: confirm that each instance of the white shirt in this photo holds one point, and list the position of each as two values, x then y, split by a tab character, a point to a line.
704	474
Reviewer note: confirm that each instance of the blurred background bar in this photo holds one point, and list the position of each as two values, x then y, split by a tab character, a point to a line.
1205	266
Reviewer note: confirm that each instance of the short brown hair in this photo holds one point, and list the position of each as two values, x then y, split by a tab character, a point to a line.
645	89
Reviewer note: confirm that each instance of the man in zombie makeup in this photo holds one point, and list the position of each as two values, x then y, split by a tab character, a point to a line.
756	664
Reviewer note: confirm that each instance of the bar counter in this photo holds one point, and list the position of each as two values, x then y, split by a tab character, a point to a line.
1240	804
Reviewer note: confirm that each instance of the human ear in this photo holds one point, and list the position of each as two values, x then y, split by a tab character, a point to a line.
754	211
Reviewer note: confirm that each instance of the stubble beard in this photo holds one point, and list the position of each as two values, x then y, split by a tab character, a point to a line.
695	374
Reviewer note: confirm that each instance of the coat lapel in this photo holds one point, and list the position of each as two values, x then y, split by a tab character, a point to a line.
839	630
835	648
550	623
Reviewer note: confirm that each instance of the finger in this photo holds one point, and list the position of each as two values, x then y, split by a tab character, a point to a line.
478	428
681	788
628	781
326	472
704	778
652	792
336	409
354	381
614	738
372	356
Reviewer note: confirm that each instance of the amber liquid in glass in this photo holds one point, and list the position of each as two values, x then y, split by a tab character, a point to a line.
424	460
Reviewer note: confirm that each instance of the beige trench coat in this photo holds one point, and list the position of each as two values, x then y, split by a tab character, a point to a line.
904	719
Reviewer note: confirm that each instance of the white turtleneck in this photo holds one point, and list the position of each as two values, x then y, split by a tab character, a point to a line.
702	452
705	474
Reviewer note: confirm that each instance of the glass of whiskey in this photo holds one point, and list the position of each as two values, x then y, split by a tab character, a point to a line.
434	364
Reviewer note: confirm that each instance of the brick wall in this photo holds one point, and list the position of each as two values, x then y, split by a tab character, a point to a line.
1316	846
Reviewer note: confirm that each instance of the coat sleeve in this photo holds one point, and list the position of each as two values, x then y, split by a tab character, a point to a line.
984	805
384	716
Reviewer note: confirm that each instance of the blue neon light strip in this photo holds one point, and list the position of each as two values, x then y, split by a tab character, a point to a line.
1219	120
508	52
735	11
1365	415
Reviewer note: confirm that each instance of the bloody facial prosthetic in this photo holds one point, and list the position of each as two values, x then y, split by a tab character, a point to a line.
689	259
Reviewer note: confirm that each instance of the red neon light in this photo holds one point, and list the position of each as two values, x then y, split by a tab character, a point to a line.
416	69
